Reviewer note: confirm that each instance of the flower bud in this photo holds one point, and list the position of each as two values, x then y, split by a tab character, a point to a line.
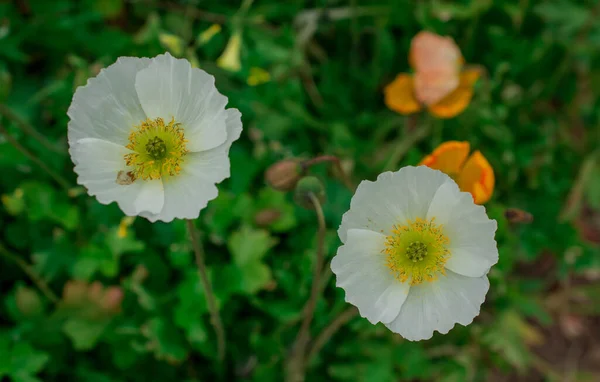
74	292
112	299
307	186
283	175
28	301
267	216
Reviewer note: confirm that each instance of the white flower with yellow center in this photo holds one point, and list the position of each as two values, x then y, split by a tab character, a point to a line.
152	135
416	252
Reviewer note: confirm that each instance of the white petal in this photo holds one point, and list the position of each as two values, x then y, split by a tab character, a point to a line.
185	195
171	88
191	190
393	198
361	271
472	246
214	164
445	199
151	197
439	305
97	163
107	107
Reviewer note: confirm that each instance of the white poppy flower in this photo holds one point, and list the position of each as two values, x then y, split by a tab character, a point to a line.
416	252
152	135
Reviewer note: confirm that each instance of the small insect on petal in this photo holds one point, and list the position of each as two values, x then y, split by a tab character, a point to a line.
125	178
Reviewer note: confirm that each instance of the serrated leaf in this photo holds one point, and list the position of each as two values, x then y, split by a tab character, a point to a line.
249	245
84	333
255	276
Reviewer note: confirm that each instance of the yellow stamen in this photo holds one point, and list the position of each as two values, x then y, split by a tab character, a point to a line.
159	149
417	252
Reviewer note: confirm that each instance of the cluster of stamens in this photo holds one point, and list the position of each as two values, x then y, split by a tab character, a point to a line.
417	252
158	149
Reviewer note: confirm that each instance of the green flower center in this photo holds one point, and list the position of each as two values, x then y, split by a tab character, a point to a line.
417	252
158	150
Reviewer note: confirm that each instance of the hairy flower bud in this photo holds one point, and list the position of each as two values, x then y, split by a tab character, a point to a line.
267	216
283	175
28	301
307	186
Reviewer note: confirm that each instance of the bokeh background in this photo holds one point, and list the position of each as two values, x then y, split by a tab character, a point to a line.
90	296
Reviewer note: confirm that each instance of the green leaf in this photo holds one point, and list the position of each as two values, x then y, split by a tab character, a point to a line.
109	8
84	333
119	245
165	341
509	336
255	276
269	198
249	245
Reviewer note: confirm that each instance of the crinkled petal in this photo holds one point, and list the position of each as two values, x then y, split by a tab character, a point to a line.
97	164
439	305
430	51
448	157
170	88
360	267
477	177
107	107
434	85
190	191
400	95
457	101
392	199
472	247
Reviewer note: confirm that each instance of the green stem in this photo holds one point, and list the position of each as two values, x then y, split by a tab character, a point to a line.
296	364
29	271
338	166
402	147
58	178
330	330
215	318
29	129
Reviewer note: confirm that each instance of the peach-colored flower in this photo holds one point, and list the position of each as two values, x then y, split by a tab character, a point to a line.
474	175
439	82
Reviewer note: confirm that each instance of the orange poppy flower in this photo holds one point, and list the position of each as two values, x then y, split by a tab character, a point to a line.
439	83
474	175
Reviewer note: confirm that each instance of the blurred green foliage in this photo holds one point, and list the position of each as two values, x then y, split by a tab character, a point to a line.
89	296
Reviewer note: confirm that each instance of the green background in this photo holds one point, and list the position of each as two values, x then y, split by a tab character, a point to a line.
535	115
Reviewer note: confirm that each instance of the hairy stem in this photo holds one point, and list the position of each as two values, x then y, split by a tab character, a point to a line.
28	129
296	364
215	318
405	144
58	178
29	271
330	330
338	166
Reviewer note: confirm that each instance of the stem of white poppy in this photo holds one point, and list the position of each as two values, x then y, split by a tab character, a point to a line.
215	318
29	271
59	179
296	364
